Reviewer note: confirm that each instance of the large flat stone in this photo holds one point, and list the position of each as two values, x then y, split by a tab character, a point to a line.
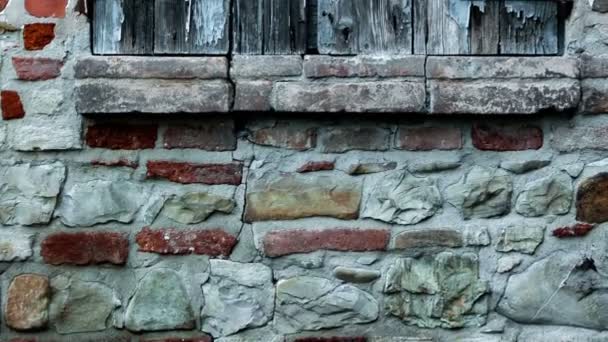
15	246
322	66
455	67
156	96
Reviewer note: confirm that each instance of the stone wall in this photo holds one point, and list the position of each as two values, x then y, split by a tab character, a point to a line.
269	219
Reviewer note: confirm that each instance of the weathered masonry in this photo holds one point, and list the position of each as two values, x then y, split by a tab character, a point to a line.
299	171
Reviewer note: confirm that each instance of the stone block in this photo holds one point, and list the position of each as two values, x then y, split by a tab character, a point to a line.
320	66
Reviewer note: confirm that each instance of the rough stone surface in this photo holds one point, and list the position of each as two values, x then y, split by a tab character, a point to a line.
464	67
570	139
82	307
15	246
311	303
101	201
190	173
85	248
237	297
285	135
122	137
27	302
429	238
382	96
262	67
314	166
196	207
279	243
429	138
37	68
402	198
11	105
568	293
161	302
436	291
278	197
594	100
252	96
520	238
591	199
520	167
319	66
38	36
482	193
547	196
213	242
29	193
356	275
489	137
508	263
370	168
338	140
210	135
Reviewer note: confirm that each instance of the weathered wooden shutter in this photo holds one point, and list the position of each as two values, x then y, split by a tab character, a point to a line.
123	27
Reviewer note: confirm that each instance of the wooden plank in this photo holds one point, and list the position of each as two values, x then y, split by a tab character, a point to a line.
419	13
364	26
448	27
313	23
484	28
191	27
529	28
284	27
248	27
123	27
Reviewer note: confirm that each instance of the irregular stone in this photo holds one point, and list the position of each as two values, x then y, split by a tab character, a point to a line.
436	291
547	196
285	135
428	238
476	236
482	193
11	105
344	139
490	137
47	133
85	248
579	229
27	302
121	136
592	199
37	36
594	100
323	66
508	263
429	166
315	166
15	246
210	135
402	198
237	297
288	197
369	168
196	207
311	303
161	302
189	173
574	170
429	138
214	242
120	162
82	307
101	201
355	97
356	275
29	193
520	238
570	292
521	167
279	243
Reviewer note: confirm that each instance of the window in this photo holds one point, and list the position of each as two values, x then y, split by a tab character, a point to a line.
337	27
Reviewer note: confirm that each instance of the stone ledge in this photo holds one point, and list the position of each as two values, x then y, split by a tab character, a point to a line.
318	66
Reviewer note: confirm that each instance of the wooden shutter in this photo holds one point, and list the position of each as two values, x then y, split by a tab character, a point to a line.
123	27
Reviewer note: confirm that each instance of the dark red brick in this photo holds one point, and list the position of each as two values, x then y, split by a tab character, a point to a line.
38	36
3	4
46	8
212	135
121	162
579	229
489	137
331	339
214	242
429	138
279	243
85	248
122	137
314	166
188	173
37	69
12	108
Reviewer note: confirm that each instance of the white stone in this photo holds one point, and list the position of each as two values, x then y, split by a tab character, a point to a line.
15	246
547	196
43	133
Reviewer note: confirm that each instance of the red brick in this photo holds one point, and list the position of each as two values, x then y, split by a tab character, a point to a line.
285	135
212	135
279	243
179	339
429	138
489	137
37	69
3	4
12	108
122	137
188	173
38	36
314	166
46	8
332	339
579	229
214	242
85	248
121	162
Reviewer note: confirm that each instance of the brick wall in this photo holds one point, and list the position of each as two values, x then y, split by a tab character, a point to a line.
289	198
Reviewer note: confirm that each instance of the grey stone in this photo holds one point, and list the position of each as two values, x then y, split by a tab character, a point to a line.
323	66
567	290
503	96
402	198
594	66
15	246
434	166
523	166
82	307
252	96
424	238
599	5
29	193
482	193
100	201
160	303
455	67
355	275
380	96
264	67
520	238
508	263
237	297
344	139
594	99
476	236
196	207
370	168
157	96
436	291
580	137
311	303
574	170
547	196
47	133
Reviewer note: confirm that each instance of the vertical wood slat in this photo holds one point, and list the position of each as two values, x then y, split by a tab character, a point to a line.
191	26
448	27
419	15
364	26
123	27
484	28
529	27
247	27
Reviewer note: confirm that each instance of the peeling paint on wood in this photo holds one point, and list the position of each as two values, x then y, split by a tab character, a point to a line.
123	27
